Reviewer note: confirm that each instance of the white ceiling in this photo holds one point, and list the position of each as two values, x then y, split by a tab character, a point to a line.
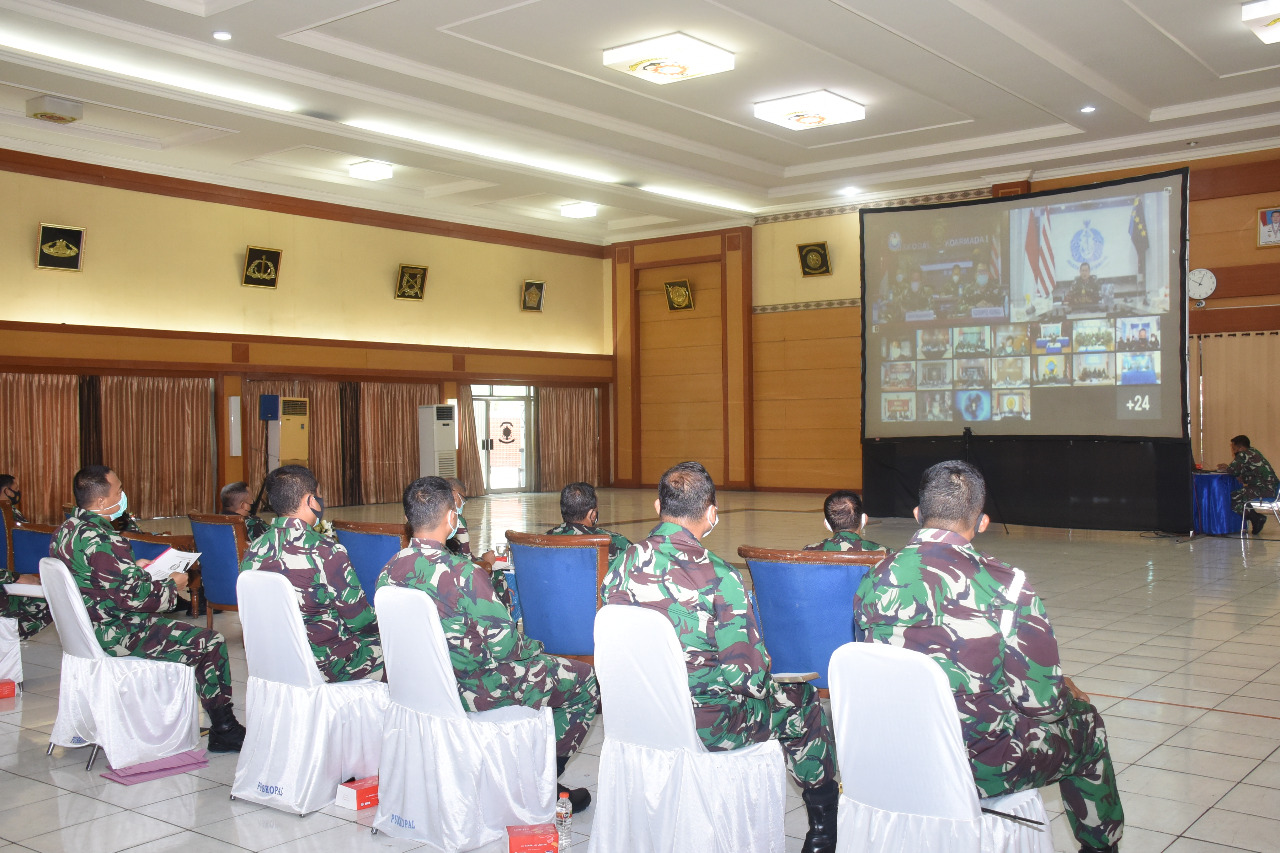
496	112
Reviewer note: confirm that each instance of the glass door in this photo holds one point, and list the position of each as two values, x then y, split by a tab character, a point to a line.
502	414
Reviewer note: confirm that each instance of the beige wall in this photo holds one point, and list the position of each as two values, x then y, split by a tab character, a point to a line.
777	279
156	262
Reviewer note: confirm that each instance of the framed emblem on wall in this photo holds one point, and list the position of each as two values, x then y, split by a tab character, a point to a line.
411	282
679	295
813	259
531	293
60	247
261	267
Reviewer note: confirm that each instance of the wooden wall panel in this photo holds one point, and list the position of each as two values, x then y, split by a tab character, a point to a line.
1233	365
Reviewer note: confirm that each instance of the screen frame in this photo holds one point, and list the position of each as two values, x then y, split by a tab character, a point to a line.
1183	253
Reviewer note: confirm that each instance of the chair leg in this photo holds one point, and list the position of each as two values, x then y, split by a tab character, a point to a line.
208	609
50	752
93	756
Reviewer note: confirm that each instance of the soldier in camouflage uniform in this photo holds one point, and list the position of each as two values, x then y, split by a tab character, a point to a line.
845	519
236	501
460	543
736	701
10	491
122	600
32	612
1024	723
341	627
1256	476
495	665
580	511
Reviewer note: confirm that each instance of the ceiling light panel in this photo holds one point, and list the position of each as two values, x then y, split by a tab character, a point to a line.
1259	9
370	170
810	110
579	210
669	59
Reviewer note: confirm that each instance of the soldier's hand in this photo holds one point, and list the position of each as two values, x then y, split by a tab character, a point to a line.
31	579
179	580
487	559
142	564
1075	691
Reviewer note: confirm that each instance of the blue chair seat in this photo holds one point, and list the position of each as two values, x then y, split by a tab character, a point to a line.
558	582
31	544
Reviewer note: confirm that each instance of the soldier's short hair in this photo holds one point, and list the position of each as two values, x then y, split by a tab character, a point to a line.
426	502
1242	441
90	485
685	491
576	500
288	485
951	493
456	485
6	480
231	492
843	510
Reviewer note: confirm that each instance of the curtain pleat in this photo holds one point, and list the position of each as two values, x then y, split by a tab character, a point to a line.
324	448
469	470
389	436
90	393
568	437
1237	369
155	434
40	439
349	400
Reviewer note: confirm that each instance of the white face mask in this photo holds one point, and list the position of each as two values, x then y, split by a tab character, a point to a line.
713	524
453	531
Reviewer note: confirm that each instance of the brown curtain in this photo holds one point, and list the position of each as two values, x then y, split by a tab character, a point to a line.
40	439
568	437
325	445
157	435
469	470
1237	369
389	436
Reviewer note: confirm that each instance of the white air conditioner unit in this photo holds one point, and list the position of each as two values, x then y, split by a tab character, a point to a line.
437	441
289	432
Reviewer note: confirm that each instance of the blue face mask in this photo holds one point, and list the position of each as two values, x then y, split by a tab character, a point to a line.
120	510
983	278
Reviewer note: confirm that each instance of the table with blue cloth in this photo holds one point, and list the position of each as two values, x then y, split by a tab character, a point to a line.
1213	503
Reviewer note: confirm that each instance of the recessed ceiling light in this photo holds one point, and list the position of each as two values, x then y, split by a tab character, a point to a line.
579	210
1088	109
222	35
1263	17
1259	9
850	191
370	170
1192	144
810	110
669	58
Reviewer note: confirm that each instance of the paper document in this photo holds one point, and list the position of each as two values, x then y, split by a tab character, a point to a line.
171	560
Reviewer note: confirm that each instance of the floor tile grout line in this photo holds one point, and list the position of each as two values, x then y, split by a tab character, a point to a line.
1179	705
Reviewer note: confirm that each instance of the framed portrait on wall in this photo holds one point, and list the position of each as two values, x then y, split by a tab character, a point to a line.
261	267
531	293
60	247
1268	227
411	282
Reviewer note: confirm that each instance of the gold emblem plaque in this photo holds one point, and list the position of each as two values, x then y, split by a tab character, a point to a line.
814	259
261	267
60	247
531	293
411	282
679	295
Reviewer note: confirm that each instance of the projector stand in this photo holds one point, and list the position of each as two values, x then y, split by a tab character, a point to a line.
968	457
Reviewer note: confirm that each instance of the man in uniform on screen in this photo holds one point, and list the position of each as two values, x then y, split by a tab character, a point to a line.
1083	293
1256	476
1024	723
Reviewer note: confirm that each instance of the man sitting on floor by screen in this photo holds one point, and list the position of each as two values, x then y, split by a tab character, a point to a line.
845	519
1256	476
495	665
341	627
736	701
581	512
1024	723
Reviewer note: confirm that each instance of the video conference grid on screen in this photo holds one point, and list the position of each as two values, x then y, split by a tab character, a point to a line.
1054	315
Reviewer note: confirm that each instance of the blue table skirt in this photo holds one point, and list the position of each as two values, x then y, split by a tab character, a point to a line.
1213	503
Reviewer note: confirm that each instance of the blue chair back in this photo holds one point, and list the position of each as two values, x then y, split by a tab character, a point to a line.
516	612
221	542
7	523
558	582
805	604
370	547
30	546
146	550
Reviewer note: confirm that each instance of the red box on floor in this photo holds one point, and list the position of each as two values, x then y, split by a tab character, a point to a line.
359	794
534	838
8	688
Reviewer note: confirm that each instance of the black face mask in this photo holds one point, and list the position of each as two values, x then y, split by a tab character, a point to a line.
15	497
319	512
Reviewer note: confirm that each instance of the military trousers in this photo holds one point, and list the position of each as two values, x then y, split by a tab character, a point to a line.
1241	496
1071	751
567	687
157	638
792	715
32	614
364	662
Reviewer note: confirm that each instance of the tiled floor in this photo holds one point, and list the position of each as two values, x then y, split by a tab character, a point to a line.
1179	643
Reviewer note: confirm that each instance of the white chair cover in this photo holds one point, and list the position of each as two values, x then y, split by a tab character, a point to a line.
305	737
137	710
660	790
893	711
10	650
452	779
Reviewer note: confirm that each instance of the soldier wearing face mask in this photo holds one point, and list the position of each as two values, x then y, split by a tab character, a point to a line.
10	492
341	627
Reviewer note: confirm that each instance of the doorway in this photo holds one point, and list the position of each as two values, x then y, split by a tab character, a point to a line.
503	414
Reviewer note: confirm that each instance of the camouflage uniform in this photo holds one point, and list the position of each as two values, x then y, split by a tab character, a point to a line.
495	665
122	601
31	612
618	544
845	540
1256	475
341	626
736	702
255	527
987	629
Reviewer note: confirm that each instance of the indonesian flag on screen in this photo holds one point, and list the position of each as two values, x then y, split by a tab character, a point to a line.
1040	251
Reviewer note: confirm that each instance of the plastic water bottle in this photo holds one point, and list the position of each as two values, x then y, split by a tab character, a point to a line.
564	821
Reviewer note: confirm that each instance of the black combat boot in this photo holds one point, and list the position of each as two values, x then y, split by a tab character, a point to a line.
1111	848
821	804
579	798
1256	520
225	732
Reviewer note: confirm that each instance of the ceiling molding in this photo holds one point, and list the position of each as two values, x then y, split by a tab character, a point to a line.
1171	37
898	201
1242	101
203	8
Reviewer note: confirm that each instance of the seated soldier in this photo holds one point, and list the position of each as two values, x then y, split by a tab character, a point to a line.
1025	724
736	701
340	624
580	511
236	501
10	491
460	543
32	612
123	600
496	666
845	519
1256	476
